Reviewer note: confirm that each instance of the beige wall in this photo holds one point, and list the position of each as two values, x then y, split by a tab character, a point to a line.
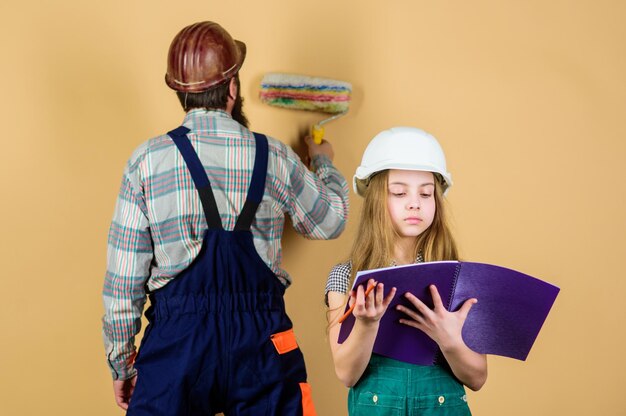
527	98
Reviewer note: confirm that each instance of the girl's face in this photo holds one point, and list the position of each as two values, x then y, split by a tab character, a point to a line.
411	201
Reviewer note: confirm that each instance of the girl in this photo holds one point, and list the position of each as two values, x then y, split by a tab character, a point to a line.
403	178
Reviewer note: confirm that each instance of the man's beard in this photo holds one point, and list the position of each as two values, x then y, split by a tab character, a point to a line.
237	113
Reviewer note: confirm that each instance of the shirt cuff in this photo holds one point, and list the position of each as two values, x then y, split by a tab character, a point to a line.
318	161
123	370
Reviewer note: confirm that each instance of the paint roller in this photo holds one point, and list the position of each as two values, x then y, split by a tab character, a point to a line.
300	92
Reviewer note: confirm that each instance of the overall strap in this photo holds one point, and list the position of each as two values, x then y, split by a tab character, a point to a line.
199	176
257	184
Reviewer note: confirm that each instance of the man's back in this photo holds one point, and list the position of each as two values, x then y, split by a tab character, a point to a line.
159	223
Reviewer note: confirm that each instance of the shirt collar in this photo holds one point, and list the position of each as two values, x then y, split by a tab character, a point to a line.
197	117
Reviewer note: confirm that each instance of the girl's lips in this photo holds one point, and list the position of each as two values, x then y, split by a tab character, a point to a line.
413	220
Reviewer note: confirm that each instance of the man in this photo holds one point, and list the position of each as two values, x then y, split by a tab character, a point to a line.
197	228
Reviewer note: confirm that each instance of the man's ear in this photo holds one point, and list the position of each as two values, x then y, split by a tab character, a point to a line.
232	89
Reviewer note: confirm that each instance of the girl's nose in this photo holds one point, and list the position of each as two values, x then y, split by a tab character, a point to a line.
414	204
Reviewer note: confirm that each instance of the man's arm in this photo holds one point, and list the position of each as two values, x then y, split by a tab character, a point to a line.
128	266
318	201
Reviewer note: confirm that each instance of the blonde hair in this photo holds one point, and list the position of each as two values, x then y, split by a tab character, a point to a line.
376	235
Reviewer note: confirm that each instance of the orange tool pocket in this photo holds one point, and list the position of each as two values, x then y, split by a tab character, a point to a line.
284	341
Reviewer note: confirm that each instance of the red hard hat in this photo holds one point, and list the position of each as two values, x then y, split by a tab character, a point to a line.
202	56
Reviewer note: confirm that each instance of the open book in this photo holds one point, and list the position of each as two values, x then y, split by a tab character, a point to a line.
510	311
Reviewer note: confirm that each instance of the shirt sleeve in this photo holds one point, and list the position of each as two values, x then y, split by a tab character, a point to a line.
338	279
318	201
129	255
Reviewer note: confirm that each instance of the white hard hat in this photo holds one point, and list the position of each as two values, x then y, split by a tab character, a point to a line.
405	148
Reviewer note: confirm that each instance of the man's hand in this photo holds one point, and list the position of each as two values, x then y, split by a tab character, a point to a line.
323	148
123	390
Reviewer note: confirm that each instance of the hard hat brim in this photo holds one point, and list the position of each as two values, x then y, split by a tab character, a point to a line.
361	180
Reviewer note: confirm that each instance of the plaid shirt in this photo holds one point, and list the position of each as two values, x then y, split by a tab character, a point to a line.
159	223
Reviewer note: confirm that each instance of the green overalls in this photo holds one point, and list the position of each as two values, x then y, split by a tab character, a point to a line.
393	388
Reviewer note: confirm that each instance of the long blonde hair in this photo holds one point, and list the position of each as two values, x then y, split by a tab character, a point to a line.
376	235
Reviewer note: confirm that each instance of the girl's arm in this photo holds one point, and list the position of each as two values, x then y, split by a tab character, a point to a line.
445	328
351	357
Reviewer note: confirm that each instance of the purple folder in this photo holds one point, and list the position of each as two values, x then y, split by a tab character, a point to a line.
510	311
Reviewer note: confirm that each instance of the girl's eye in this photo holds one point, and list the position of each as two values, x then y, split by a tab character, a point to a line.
426	195
398	194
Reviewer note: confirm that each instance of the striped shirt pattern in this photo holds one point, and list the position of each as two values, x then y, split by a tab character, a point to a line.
158	223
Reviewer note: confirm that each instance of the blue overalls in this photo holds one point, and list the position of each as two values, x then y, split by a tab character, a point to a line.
218	338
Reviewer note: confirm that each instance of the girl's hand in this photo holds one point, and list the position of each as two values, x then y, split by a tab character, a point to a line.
369	309
440	325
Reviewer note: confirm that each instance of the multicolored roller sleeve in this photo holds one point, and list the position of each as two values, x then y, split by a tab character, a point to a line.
305	93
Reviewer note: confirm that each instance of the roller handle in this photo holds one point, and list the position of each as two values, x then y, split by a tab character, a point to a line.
317	132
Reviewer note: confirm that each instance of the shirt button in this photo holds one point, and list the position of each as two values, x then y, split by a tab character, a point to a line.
464	398
375	399
441	399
